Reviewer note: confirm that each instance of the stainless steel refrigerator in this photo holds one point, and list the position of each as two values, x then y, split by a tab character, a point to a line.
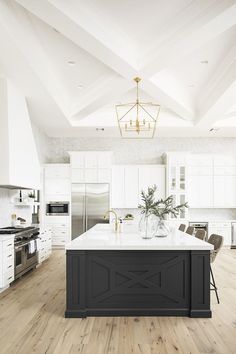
89	203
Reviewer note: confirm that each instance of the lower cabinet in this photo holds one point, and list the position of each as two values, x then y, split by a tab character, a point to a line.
223	229
45	245
60	230
6	261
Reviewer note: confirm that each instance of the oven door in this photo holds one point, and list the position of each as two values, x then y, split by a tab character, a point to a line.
20	259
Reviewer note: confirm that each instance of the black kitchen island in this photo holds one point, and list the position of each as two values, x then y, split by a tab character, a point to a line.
112	274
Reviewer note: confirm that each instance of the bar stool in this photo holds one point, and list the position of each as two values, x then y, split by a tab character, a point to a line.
182	227
217	242
201	234
190	230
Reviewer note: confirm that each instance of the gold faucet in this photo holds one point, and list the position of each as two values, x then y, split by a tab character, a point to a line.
116	216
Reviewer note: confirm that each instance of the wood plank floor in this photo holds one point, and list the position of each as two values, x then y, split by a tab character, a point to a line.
32	320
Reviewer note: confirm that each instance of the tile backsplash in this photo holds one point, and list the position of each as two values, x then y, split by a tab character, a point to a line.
7	208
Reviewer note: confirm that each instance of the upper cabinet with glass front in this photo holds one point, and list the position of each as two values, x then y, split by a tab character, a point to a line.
176	178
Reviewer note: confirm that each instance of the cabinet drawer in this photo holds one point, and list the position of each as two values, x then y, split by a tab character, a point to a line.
59	241
8	277
8	265
60	233
8	255
8	245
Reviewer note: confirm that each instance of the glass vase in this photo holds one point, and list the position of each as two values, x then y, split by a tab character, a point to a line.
162	229
147	226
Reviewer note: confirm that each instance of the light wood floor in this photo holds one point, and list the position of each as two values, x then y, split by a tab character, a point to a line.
32	320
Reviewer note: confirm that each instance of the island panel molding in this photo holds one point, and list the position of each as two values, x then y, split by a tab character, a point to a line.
138	283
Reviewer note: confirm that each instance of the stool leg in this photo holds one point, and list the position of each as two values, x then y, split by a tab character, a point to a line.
214	285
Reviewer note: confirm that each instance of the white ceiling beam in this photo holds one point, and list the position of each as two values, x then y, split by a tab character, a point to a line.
218	18
219	94
14	21
101	94
80	29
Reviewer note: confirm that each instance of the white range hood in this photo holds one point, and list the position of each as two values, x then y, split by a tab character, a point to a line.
19	163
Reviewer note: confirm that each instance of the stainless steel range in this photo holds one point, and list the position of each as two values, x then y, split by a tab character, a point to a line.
26	252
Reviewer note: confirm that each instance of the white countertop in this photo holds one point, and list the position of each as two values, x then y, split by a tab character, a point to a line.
102	237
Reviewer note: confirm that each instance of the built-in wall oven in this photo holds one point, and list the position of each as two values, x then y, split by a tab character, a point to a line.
57	208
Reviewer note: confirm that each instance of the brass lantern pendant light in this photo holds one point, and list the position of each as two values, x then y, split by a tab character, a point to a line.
138	119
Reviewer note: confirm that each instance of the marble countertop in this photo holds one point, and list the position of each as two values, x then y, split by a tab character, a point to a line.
102	237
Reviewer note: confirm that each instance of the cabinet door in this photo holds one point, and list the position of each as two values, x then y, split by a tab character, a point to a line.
57	186
77	175
118	187
77	159
104	159
131	187
57	171
150	175
91	160
91	175
230	191
219	191
104	175
200	191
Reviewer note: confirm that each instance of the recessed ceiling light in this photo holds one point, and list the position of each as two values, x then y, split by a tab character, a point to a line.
191	86
71	62
80	87
204	62
212	130
54	29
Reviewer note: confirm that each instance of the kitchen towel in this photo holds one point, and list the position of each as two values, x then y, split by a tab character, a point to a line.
32	246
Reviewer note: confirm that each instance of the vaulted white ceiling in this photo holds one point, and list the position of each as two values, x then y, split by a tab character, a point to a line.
75	59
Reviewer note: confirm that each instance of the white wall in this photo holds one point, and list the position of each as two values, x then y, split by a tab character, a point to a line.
137	151
7	208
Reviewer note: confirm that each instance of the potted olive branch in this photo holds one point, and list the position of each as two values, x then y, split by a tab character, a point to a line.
160	209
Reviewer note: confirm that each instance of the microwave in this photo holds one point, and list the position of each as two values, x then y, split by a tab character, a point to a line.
57	208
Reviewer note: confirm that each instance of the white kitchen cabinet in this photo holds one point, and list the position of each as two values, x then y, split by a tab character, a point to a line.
91	159
90	166
223	229
150	175
104	175
77	175
104	159
57	170
128	181
7	256
57	186
77	159
131	189
118	187
230	191
177	179
45	245
60	230
200	194
91	175
219	195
